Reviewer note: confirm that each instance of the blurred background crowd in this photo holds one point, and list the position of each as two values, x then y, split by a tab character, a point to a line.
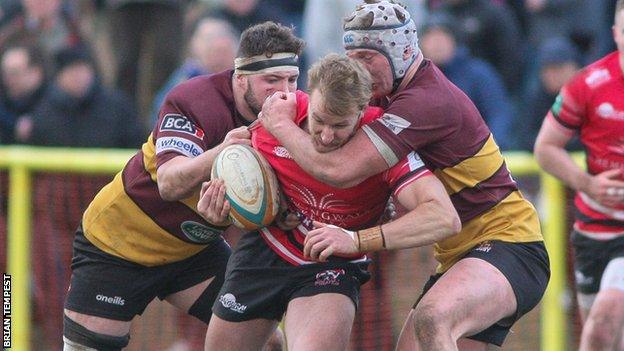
92	73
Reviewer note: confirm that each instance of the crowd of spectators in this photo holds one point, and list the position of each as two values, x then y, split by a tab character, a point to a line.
63	85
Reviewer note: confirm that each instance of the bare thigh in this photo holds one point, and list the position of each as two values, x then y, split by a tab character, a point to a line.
186	298
320	322
468	298
100	325
238	336
473	295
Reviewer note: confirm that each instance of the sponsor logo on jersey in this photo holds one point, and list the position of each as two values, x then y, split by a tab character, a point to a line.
179	123
180	145
606	110
199	233
229	301
329	277
395	123
281	151
597	77
326	209
117	300
414	161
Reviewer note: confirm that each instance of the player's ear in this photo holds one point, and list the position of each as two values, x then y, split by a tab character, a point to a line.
241	81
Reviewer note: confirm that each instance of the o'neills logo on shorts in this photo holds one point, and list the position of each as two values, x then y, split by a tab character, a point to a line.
117	300
229	301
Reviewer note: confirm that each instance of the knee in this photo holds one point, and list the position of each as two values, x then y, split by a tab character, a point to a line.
78	338
275	342
429	321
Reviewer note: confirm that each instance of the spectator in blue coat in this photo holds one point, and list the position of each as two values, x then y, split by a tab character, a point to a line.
475	77
558	60
211	49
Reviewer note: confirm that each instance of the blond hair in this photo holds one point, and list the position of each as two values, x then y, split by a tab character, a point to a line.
344	84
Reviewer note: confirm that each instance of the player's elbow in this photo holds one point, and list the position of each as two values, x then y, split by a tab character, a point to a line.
171	191
454	224
450	224
167	192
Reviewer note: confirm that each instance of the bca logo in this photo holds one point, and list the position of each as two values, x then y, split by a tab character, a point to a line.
179	123
348	39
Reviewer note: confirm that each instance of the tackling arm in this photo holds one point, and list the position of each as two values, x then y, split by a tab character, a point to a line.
344	167
181	176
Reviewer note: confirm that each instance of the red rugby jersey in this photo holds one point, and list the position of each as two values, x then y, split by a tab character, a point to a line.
592	105
353	208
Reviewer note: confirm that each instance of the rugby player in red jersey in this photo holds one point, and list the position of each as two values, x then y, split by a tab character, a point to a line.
591	105
141	237
269	275
496	269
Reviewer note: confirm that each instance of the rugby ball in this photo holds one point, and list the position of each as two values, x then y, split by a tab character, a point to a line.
251	186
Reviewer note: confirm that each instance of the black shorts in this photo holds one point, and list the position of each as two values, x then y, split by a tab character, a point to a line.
260	284
526	267
591	258
106	286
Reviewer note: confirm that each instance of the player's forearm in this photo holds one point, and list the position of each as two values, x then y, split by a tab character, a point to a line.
181	177
558	162
331	168
426	224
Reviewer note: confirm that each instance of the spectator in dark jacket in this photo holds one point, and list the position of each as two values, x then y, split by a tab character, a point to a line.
245	13
211	49
78	111
475	77
491	32
147	39
558	61
22	85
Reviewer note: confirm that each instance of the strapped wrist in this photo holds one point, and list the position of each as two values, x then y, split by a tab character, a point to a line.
371	239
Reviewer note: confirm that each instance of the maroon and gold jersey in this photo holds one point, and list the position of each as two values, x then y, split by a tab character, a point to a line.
353	208
128	218
592	105
435	118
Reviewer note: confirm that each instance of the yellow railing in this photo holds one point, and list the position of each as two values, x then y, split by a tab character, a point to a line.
21	162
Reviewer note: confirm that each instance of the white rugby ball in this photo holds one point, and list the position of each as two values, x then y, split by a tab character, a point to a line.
251	186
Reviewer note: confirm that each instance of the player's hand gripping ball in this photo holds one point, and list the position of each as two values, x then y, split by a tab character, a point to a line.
250	186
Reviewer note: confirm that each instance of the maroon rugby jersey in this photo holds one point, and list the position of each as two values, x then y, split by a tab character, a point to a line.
128	218
592	105
436	119
353	208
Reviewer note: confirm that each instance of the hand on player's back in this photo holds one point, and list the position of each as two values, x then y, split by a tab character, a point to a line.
278	108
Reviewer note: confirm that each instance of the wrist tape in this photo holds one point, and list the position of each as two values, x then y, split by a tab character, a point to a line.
371	239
